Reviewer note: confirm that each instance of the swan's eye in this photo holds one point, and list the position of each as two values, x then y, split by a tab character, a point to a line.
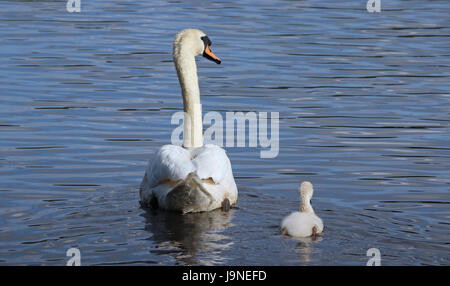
206	41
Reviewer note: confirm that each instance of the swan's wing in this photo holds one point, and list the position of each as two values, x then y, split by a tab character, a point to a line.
173	169
211	161
170	163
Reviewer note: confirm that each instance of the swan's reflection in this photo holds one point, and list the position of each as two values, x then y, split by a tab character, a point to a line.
195	238
305	247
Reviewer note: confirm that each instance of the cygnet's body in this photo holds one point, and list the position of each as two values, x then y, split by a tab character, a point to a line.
305	222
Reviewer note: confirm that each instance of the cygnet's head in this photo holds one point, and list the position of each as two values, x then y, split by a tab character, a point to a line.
306	192
193	42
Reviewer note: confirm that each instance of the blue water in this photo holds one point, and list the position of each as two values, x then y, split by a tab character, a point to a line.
86	99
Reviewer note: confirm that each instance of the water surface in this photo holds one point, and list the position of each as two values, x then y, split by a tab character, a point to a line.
86	99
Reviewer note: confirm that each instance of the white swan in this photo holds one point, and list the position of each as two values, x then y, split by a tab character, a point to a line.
304	223
195	177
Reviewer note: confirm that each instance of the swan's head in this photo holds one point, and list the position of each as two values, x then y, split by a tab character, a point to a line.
193	42
306	192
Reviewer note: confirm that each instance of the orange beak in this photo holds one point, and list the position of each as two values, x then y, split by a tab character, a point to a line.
207	53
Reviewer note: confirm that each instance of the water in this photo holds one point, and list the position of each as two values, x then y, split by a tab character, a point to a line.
86	99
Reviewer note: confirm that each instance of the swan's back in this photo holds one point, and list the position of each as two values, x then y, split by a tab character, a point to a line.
189	180
170	163
302	224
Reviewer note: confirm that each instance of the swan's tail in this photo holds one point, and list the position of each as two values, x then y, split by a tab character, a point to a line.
189	196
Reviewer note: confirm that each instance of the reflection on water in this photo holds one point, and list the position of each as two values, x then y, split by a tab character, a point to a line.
197	238
86	99
305	247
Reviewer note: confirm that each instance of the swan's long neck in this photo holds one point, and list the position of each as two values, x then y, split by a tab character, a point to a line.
187	75
305	205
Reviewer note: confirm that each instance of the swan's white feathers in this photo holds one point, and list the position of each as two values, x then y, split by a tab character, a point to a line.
212	162
204	173
170	163
174	163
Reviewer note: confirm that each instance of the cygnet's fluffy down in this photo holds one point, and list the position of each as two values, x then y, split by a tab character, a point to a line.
305	222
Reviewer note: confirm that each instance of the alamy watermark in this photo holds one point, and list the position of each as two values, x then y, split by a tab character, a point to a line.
373	6
235	124
73	6
75	257
375	255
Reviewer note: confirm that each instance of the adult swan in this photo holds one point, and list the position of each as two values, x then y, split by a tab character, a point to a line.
195	177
